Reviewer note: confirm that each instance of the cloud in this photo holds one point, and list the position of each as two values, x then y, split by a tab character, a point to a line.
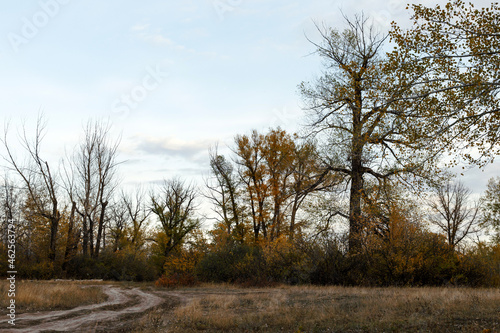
157	38
171	147
140	27
143	31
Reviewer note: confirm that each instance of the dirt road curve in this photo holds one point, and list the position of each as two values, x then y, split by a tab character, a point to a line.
84	318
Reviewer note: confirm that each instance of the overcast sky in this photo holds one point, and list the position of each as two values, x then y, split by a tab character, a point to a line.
172	77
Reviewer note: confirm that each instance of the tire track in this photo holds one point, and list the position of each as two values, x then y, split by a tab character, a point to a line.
87	320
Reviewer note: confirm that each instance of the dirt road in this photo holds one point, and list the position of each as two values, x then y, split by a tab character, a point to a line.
121	304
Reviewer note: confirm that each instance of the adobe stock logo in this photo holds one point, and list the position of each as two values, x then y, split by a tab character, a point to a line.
130	101
32	26
223	6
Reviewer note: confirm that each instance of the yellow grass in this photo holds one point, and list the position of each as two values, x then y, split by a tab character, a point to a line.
338	309
49	295
228	308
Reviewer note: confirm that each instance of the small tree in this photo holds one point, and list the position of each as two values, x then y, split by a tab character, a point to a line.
491	219
174	206
454	214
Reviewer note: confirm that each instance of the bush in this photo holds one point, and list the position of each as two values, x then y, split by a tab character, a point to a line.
232	262
179	269
120	266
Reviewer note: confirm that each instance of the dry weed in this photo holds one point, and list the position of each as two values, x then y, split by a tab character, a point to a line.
42	295
338	309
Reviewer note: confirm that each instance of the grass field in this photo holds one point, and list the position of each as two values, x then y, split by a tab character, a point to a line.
49	295
229	308
338	309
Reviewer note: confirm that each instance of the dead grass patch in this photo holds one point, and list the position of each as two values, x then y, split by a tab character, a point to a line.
50	295
338	309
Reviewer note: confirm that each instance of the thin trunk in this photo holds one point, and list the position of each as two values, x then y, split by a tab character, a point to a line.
71	238
91	236
54	224
295	208
85	244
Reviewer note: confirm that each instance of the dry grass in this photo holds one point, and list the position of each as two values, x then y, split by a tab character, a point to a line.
228	308
338	309
49	295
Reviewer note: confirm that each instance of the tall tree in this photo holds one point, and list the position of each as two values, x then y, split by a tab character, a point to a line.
94	169
358	113
278	151
224	192
38	178
252	173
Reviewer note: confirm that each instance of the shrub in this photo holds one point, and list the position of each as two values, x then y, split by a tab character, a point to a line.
121	266
179	269
232	262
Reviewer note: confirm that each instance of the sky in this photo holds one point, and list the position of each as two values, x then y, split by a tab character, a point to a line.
173	78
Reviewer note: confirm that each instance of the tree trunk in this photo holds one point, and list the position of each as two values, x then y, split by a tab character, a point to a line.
85	243
355	216
54	223
71	239
99	229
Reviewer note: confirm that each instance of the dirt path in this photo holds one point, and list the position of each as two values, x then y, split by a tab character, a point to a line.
85	318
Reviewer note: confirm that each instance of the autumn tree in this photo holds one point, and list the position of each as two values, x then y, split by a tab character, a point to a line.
278	171
358	113
252	174
278	152
451	58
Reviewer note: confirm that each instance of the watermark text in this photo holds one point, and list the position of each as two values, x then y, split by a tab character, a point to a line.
11	273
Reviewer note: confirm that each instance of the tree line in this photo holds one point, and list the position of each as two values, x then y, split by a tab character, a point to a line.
364	195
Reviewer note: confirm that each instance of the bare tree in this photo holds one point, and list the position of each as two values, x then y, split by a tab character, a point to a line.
95	173
38	178
174	206
138	213
454	214
118	224
223	192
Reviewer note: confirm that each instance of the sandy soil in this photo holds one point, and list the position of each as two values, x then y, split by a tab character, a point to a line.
121	303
